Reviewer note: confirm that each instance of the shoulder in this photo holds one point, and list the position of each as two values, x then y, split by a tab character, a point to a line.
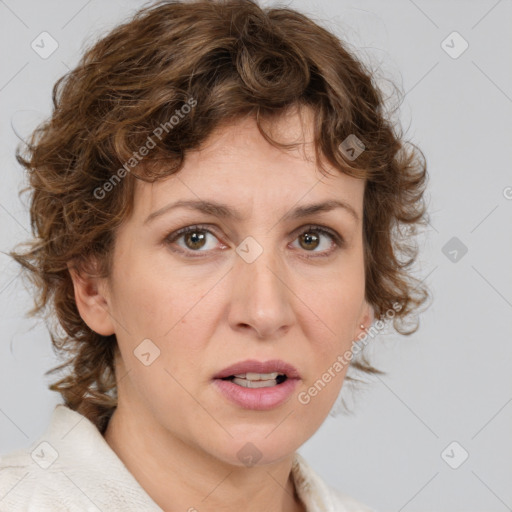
70	468
25	488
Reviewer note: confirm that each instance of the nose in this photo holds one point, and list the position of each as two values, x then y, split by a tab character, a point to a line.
261	296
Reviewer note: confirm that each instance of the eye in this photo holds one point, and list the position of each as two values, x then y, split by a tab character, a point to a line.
311	237
195	240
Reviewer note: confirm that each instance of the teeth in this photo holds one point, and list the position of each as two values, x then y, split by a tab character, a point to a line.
256	380
257	376
246	383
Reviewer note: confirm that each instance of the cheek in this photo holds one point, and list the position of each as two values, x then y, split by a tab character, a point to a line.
177	317
153	301
316	399
331	321
333	307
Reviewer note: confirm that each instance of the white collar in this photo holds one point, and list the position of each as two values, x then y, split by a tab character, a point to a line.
74	459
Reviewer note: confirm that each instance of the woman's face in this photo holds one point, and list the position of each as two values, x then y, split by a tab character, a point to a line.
254	282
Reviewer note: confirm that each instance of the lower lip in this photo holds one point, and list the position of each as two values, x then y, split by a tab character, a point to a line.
259	399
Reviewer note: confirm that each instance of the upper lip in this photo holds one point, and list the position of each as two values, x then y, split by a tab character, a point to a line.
253	366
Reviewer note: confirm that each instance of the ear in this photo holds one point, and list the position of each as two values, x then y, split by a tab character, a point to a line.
92	300
366	318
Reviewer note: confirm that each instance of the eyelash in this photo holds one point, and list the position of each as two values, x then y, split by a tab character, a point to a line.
335	237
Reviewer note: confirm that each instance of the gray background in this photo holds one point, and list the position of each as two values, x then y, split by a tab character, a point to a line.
451	381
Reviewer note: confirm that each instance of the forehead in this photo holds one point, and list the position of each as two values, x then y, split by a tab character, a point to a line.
237	166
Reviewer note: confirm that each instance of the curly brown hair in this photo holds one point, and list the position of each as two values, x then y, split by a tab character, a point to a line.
234	59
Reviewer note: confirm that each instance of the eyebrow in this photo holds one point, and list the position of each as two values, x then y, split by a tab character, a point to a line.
221	210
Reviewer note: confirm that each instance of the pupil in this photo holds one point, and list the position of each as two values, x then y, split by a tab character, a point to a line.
308	238
196	238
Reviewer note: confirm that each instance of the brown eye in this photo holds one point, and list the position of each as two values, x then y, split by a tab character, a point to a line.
194	239
309	240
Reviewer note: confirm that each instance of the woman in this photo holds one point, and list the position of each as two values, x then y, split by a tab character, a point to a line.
219	203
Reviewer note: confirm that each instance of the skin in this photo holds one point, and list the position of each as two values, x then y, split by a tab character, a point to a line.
173	430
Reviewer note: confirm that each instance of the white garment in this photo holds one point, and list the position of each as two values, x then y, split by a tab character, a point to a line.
71	468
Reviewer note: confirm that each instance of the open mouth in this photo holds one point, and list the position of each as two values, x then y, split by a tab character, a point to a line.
258	385
257	380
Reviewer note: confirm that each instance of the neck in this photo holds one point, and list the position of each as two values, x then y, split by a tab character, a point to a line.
178	476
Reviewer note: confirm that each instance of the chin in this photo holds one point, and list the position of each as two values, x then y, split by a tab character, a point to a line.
258	449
